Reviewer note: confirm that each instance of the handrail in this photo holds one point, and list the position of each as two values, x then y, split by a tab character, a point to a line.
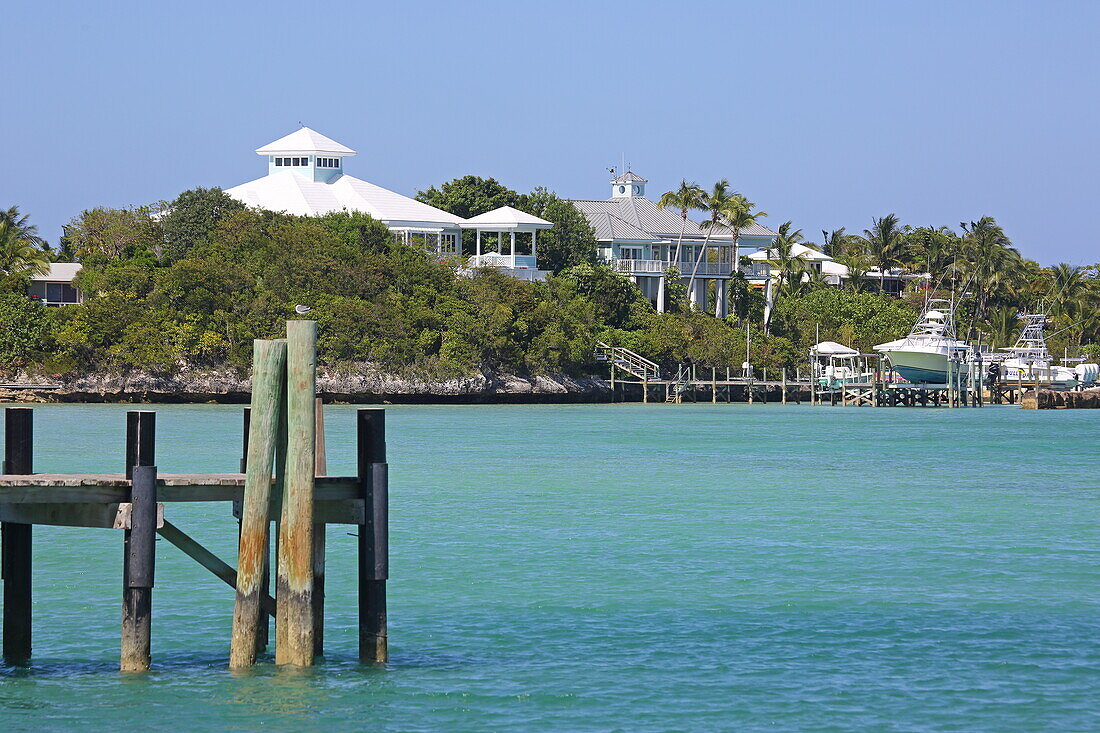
627	360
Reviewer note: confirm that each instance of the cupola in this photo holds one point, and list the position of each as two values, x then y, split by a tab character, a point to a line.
307	153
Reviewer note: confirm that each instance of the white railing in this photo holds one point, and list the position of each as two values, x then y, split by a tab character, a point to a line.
658	267
492	259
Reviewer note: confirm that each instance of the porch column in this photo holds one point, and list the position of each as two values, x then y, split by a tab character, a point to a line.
513	247
720	299
479	243
533	256
661	294
693	294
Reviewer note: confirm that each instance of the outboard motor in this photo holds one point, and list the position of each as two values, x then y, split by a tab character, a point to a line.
1087	373
994	373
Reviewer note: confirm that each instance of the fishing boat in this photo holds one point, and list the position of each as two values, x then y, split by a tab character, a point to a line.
1031	361
923	356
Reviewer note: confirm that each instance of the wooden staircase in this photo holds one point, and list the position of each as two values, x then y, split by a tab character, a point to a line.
629	361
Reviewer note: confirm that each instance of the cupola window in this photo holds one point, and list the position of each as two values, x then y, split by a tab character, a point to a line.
328	162
291	162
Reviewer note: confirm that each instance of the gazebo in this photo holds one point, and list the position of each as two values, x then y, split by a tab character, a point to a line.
500	228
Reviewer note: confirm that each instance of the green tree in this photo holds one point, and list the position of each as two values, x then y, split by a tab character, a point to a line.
469	196
571	241
715	203
189	219
883	242
24	329
21	251
687	197
113	233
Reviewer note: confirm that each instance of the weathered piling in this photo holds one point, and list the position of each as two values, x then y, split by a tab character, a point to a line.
268	390
15	544
374	562
139	541
294	579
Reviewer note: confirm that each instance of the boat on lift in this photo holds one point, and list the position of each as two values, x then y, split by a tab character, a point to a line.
1031	361
924	355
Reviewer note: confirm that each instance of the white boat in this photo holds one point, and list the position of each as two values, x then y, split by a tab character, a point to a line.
922	356
1030	360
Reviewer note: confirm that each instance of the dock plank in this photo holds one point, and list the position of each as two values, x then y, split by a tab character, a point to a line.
107	488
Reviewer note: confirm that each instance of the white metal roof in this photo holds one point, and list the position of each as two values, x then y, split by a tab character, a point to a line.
831	347
644	215
808	254
506	217
305	142
293	193
60	272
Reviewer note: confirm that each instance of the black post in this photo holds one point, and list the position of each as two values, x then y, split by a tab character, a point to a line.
373	535
244	440
139	541
15	545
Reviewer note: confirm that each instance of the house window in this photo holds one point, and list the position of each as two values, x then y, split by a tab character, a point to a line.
328	162
61	293
449	244
630	253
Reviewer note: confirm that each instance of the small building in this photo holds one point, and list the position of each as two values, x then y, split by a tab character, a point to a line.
642	240
305	177
55	287
499	233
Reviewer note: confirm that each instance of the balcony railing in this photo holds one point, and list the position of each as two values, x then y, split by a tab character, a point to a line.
492	259
657	267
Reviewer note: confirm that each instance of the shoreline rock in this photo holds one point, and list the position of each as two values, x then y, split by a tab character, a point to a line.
1049	399
367	386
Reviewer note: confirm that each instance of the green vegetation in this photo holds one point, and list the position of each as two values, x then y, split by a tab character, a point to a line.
189	284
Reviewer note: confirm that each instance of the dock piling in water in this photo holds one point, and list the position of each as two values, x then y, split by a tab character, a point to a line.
294	579
374	562
15	542
268	398
139	540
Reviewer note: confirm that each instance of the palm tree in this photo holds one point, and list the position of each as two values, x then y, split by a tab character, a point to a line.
20	254
21	223
689	196
858	263
791	266
713	203
990	262
836	242
1002	326
883	243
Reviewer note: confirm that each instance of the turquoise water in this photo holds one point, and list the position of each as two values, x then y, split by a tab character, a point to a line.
624	567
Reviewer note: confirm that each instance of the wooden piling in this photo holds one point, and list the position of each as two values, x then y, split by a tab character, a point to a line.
373	535
139	541
137	608
294	579
268	401
15	544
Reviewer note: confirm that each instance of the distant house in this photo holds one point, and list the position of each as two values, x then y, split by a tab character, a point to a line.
56	286
305	176
762	270
639	239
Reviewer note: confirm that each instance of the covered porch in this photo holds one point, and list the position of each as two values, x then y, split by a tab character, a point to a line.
507	238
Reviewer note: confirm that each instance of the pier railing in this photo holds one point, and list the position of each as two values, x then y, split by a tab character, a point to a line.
629	361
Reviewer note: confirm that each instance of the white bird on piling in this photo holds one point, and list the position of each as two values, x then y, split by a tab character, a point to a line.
302	309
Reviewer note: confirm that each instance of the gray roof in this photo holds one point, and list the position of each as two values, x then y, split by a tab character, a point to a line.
644	216
628	177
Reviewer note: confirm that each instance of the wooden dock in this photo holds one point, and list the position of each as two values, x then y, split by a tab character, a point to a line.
138	502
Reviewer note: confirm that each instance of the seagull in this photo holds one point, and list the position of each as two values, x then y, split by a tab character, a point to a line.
302	309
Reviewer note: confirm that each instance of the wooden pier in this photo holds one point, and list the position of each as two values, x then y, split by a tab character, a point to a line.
280	482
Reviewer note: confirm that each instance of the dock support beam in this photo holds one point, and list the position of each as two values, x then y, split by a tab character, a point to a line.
374	562
294	583
268	380
15	552
139	541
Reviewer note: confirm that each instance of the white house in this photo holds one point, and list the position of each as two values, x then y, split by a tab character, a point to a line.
305	176
55	287
640	239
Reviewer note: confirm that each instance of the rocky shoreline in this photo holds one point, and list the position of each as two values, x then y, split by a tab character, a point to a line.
361	387
1049	399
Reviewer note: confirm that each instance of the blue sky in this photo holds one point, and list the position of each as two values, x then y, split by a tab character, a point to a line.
827	114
